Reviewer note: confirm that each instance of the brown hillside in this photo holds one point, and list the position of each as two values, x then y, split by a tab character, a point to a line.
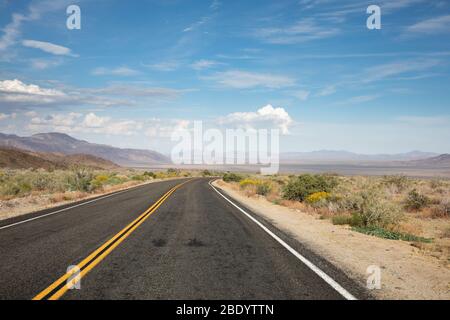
22	159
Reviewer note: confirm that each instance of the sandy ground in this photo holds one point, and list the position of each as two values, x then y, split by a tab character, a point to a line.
20	206
406	273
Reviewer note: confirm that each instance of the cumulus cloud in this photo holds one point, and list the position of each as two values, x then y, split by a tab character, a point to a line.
48	47
18	87
89	123
244	80
163	128
15	93
266	117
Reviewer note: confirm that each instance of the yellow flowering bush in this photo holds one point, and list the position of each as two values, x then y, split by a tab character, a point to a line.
317	197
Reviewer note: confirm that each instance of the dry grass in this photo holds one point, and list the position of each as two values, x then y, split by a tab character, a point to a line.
24	191
386	201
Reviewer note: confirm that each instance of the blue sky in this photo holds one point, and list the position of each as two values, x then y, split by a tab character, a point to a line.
138	70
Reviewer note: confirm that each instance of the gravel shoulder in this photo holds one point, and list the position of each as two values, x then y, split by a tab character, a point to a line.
406	273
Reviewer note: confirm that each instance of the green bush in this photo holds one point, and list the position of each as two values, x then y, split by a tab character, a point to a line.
299	188
232	177
401	182
391	235
371	207
263	188
353	220
150	174
171	172
80	180
416	201
206	173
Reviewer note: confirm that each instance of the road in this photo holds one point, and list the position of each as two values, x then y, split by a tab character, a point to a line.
191	244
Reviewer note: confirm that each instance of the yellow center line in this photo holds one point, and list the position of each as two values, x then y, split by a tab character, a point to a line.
90	262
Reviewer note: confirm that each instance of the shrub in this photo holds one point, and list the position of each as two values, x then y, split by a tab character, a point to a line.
80	180
371	208
41	181
317	197
401	182
341	219
442	210
354	220
150	174
416	201
232	177
248	182
299	188
171	172
138	178
263	188
391	235
206	173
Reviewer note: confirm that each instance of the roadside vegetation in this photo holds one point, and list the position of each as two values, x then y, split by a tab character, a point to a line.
22	191
390	207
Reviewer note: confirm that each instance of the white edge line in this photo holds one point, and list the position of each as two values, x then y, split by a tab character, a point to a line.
68	208
336	286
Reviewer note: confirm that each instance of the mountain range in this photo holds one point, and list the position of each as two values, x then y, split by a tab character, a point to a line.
346	156
64	144
21	159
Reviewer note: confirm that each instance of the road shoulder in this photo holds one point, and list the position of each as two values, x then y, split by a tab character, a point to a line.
402	266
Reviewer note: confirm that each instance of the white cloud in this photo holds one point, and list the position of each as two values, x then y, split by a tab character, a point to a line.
120	71
164	66
388	70
15	93
57	120
31	114
41	64
139	91
90	123
301	94
3	116
11	32
93	121
328	90
430	26
358	99
244	80
302	31
48	47
163	128
18	87
203	64
266	117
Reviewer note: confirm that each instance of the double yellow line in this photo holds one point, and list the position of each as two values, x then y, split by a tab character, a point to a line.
60	286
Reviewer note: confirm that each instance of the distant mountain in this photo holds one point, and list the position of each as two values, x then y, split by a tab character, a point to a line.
65	144
442	160
343	156
22	159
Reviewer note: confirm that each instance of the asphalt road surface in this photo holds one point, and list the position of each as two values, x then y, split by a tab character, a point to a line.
177	239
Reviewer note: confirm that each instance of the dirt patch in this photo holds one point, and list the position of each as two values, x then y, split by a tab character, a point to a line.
406	272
